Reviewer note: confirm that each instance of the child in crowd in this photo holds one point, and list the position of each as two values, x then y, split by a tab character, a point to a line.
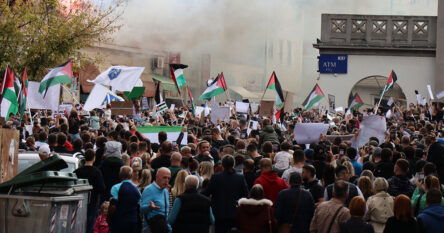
101	225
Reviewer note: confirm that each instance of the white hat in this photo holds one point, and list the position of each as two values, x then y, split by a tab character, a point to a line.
44	149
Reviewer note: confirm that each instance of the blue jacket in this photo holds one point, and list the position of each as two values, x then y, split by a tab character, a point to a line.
431	219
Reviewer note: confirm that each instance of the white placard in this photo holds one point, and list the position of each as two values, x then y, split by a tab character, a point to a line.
372	126
440	95
306	133
254	107
429	88
172	107
242	107
220	113
339	109
198	110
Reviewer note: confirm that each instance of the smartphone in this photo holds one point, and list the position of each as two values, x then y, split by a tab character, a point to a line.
341	152
421	176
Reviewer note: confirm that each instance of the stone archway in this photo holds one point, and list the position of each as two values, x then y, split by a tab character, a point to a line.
369	89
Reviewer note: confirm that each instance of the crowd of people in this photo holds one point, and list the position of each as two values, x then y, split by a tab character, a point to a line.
231	178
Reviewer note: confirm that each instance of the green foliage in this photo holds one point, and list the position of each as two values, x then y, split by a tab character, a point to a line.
41	34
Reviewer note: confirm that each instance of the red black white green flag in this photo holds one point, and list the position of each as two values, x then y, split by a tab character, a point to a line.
313	99
9	104
390	81
273	84
356	102
177	75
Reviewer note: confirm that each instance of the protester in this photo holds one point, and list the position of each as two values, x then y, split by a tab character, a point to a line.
224	197
400	183
331	214
380	205
126	200
270	181
176	158
154	204
255	209
342	173
294	217
298	163
191	211
403	220
101	224
44	152
431	219
356	223
419	195
311	184
95	179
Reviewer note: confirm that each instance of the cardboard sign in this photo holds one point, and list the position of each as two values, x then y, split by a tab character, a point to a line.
266	109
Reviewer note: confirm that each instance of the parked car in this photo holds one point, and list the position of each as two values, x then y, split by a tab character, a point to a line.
29	158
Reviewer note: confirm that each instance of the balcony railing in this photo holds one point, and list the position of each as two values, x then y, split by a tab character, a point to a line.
378	30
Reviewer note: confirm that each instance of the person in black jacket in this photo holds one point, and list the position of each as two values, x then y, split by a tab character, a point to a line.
311	184
435	155
356	223
342	173
400	183
295	206
225	189
384	168
95	178
164	160
191	211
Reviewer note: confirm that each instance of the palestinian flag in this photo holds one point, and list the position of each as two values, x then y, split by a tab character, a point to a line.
159	100
313	99
190	96
356	102
58	75
222	79
23	93
177	75
390	81
273	84
152	133
279	115
9	104
217	87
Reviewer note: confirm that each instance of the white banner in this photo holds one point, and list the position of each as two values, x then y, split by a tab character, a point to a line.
306	133
372	126
242	107
35	100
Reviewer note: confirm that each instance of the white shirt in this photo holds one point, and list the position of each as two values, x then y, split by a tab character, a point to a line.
286	175
282	160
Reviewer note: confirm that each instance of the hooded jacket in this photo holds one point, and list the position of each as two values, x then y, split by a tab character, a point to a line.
255	216
272	184
268	135
400	185
113	149
432	219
